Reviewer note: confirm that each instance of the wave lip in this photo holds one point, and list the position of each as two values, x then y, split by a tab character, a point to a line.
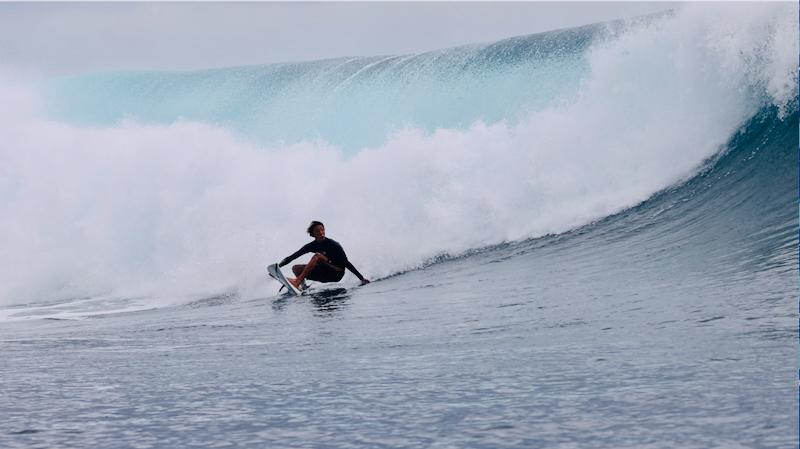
349	102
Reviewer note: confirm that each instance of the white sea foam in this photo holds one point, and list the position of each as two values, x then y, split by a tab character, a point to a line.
186	210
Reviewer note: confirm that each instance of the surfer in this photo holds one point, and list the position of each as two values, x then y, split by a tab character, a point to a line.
328	262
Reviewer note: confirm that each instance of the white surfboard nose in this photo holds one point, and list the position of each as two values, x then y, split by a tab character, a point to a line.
275	271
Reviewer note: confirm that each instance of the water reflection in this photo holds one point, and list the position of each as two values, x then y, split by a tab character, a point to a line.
328	302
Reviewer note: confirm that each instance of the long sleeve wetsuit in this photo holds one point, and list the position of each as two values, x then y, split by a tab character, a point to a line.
337	259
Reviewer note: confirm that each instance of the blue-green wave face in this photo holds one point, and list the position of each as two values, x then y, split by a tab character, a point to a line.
347	102
165	184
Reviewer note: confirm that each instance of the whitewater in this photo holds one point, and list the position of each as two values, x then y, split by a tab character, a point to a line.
580	238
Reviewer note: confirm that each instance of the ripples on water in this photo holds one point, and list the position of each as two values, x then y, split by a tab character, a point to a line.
552	343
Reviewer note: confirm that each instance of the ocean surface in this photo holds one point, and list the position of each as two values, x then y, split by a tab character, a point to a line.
585	238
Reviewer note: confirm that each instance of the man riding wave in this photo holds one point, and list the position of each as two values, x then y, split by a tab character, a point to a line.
328	262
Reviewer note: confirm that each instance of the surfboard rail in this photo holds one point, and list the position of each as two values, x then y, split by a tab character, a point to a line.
275	271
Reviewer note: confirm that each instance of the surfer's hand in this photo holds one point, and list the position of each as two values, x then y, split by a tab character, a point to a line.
365	281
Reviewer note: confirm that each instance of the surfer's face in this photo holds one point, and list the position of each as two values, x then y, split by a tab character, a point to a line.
319	233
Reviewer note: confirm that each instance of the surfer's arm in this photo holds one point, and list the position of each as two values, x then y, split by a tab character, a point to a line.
305	249
353	270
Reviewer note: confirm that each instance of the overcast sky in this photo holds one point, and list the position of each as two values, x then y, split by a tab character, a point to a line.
54	39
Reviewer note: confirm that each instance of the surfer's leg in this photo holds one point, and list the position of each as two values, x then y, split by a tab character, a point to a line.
304	271
325	274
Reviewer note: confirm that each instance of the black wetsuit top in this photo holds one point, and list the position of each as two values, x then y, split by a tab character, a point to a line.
337	259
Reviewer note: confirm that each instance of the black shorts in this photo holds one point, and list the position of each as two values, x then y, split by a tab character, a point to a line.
324	273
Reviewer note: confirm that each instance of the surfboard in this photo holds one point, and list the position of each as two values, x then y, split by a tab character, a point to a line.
275	271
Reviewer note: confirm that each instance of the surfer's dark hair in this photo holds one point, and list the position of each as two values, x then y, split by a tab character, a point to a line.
313	225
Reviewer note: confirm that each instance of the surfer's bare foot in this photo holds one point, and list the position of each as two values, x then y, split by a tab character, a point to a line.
294	282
